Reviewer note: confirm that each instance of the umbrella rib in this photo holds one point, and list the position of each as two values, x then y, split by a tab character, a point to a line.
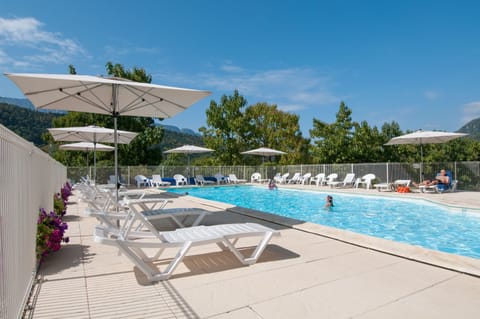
100	104
78	95
141	102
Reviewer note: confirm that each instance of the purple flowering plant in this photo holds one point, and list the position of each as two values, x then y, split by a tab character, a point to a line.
50	226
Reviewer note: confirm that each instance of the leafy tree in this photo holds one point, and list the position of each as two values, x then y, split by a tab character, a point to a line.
333	141
270	127
233	128
389	131
226	129
141	150
366	144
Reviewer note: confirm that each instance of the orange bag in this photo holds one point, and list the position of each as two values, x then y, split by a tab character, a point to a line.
403	189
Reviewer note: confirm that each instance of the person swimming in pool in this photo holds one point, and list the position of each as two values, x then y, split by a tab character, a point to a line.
329	202
272	185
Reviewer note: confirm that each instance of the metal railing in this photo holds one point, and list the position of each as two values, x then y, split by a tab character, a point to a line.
28	180
467	173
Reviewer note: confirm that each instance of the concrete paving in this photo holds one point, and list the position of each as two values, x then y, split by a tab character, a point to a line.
305	273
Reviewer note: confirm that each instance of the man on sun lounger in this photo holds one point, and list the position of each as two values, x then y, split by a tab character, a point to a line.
441	178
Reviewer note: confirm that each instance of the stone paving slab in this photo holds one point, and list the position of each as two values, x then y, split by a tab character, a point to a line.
300	275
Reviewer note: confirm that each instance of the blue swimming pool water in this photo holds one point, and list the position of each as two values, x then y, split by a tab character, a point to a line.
411	221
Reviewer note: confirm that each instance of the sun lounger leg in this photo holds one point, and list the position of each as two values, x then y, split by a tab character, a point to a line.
256	253
199	219
178	259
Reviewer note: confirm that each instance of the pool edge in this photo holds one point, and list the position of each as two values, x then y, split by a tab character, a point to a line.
461	264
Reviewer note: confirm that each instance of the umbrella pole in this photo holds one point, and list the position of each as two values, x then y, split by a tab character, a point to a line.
264	168
87	166
94	162
115	142
188	167
421	163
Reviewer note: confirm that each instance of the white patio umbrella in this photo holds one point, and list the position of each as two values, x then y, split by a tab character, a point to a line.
189	149
113	96
87	147
421	137
94	135
263	151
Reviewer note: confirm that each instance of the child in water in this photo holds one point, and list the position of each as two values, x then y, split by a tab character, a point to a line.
329	202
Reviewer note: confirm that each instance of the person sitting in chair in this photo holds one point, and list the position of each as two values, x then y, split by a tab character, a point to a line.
441	178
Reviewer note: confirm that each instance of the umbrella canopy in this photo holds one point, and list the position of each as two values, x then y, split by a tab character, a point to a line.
93	134
189	149
86	147
421	137
114	96
93	94
425	137
264	151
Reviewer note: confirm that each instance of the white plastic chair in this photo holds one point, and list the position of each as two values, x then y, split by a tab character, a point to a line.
141	180
349	180
221	179
305	178
233	179
180	179
366	180
317	179
330	179
157	181
200	180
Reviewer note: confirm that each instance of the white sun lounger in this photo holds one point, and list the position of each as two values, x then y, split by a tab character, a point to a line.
225	236
134	213
177	215
348	181
392	186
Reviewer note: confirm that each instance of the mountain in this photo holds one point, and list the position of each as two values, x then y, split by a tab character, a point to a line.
25	103
173	128
173	139
31	124
27	123
472	128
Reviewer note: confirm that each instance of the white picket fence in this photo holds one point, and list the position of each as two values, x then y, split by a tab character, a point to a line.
28	180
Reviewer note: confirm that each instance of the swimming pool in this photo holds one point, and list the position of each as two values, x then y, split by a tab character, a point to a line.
411	221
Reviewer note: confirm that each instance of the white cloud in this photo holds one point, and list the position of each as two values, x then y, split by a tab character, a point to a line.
231	68
431	95
292	107
291	89
471	111
38	47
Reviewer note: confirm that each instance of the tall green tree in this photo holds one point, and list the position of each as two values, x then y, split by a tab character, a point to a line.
143	150
226	129
332	142
366	144
270	127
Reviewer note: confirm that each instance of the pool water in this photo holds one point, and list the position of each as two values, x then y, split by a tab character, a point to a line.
416	222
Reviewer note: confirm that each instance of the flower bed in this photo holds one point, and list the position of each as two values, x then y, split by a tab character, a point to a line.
51	227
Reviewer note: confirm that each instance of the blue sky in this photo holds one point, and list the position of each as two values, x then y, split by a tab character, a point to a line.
413	62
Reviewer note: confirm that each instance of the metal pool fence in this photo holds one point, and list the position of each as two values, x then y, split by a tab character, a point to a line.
467	173
28	180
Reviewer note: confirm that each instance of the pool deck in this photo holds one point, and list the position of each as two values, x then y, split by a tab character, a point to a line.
309	271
